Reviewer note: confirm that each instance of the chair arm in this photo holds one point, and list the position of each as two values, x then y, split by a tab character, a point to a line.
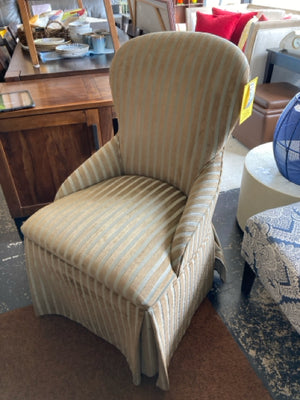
103	164
196	221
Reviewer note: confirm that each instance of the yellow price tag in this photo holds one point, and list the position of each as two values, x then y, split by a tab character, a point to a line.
248	99
3	32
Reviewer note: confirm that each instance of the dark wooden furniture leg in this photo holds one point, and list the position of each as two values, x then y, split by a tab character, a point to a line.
248	279
18	223
268	69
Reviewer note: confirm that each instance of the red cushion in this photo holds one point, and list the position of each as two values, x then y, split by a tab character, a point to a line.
222	25
244	18
262	18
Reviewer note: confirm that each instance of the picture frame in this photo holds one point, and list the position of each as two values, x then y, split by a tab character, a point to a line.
152	15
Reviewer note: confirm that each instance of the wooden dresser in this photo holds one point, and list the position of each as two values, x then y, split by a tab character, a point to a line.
41	146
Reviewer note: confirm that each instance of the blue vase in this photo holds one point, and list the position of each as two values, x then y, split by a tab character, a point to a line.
286	143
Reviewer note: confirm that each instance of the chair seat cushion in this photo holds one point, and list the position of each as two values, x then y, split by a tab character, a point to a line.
118	232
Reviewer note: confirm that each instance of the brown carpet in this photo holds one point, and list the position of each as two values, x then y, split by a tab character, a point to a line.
52	358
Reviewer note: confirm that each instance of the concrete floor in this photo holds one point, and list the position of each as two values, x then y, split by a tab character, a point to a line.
233	164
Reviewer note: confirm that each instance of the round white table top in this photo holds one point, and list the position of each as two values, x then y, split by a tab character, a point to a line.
261	164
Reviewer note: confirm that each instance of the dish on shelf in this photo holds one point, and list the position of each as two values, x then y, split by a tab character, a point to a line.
72	50
48	44
77	29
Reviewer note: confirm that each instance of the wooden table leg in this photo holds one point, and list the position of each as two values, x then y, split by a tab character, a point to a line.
28	33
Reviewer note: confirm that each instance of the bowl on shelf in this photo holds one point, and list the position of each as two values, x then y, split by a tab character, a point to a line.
72	50
48	44
77	29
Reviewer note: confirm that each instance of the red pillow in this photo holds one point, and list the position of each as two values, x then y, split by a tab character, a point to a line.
223	25
244	18
262	18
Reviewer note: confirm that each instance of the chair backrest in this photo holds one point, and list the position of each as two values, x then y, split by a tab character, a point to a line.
177	96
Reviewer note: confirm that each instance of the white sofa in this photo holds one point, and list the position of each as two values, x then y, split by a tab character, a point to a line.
262	36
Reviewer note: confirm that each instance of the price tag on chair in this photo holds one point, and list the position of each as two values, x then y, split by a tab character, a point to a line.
248	99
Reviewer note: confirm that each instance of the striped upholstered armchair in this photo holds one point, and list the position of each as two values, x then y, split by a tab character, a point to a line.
127	248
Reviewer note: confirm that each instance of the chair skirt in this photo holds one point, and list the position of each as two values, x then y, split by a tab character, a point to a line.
147	327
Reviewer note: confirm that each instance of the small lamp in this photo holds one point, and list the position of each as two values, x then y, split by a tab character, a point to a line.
286	143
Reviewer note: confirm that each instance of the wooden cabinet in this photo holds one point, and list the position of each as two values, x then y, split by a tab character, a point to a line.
40	147
38	153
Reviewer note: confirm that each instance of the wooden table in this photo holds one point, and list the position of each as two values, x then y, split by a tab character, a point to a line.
41	146
283	59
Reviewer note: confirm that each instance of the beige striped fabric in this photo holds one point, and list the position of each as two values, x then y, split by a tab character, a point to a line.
102	165
188	96
128	248
123	222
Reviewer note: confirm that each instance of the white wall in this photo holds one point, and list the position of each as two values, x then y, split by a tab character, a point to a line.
287	4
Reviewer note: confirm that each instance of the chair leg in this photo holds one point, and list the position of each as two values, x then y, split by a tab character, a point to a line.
248	279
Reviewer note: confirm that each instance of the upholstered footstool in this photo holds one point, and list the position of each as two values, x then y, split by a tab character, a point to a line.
269	102
271	249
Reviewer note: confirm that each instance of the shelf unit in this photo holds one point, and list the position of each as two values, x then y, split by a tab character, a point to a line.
26	14
180	8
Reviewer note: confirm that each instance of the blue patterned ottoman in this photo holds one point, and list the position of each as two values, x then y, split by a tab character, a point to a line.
271	249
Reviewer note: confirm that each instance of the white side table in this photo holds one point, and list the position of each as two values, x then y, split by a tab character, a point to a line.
263	187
